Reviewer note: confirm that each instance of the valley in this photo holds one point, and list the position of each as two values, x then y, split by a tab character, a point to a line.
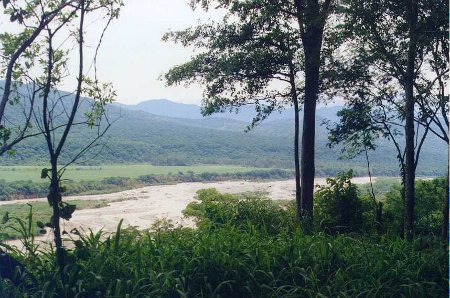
211	148
143	207
159	139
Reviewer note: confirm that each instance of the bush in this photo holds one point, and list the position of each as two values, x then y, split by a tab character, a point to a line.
430	196
236	257
339	206
241	211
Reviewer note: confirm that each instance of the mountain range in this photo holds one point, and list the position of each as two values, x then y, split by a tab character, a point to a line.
163	132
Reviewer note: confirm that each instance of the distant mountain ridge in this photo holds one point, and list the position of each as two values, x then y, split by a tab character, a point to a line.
168	133
165	107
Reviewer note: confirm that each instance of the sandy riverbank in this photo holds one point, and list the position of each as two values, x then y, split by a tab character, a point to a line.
142	206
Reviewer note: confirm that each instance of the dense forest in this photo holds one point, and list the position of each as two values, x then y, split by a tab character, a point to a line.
275	63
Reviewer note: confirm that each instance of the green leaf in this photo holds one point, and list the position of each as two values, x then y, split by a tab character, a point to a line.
50	223
78	243
67	211
44	173
4	236
40	224
13	17
11	152
5	218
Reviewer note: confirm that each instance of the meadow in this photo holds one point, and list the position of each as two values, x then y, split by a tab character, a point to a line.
98	173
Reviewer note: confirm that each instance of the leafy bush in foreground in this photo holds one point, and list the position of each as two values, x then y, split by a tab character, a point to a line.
430	195
215	210
339	204
245	247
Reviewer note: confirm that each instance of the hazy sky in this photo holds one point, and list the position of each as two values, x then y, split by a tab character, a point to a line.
133	56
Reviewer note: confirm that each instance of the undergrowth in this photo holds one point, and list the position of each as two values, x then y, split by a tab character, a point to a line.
244	246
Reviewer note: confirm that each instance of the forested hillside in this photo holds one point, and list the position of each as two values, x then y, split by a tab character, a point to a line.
163	140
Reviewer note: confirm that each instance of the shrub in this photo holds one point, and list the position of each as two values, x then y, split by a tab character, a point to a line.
429	201
241	211
236	259
339	206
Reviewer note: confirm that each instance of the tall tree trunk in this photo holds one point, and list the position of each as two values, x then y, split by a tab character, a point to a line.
402	195
311	17
379	218
409	169
55	199
312	46
409	122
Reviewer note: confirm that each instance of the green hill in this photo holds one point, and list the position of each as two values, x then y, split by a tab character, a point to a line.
140	137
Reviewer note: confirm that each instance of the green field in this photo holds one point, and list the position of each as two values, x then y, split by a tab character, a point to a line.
41	212
97	173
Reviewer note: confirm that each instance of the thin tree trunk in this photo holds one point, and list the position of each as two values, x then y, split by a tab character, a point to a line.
409	123
402	195
409	168
296	144
377	206
379	218
44	21
446	198
55	199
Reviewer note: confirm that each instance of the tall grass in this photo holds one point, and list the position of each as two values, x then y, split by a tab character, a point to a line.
244	247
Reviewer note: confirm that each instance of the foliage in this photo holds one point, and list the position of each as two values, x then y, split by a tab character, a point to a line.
52	61
381	186
216	210
235	256
241	56
405	47
430	195
339	205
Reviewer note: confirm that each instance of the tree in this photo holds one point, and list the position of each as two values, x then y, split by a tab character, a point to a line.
393	45
312	16
357	133
19	54
56	112
252	48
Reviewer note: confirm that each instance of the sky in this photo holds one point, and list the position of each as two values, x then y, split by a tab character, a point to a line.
133	56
